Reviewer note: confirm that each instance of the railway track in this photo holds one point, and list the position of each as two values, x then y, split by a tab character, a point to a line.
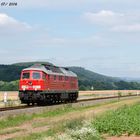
80	100
14	108
109	97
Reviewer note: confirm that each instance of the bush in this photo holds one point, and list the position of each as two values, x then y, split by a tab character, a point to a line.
9	86
85	132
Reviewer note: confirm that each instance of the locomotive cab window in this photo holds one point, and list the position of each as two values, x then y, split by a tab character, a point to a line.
26	75
36	75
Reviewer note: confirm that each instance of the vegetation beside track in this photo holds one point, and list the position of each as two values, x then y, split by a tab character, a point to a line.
76	129
12	121
124	120
58	126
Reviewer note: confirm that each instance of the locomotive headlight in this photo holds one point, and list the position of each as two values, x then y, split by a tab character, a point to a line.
24	87
37	87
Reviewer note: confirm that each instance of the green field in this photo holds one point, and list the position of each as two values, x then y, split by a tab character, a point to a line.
73	123
125	120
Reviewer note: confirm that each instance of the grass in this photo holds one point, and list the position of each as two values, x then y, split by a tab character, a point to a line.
81	131
69	128
53	130
125	120
12	121
35	136
4	132
10	103
75	129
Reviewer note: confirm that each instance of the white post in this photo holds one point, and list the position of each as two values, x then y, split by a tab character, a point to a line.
5	97
92	88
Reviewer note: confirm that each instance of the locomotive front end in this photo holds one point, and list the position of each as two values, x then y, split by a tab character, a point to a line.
30	85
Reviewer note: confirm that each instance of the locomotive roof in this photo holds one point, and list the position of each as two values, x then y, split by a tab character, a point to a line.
53	70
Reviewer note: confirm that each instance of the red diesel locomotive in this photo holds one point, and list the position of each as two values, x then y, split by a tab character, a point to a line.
47	84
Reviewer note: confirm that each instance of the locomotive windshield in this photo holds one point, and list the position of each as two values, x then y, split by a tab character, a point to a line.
36	75
26	75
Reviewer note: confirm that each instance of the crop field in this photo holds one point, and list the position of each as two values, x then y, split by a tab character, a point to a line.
123	121
108	92
12	98
13	95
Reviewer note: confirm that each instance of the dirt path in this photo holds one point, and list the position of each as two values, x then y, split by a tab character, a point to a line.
43	124
124	138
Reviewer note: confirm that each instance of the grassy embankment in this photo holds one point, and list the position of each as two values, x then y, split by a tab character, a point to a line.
76	129
71	125
70	129
13	121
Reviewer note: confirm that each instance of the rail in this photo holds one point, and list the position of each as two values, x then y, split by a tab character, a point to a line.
80	100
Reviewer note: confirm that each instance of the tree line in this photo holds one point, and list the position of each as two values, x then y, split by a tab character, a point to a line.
83	85
120	85
88	80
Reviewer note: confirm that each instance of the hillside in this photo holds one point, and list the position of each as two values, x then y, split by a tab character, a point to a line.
12	72
84	74
9	74
27	64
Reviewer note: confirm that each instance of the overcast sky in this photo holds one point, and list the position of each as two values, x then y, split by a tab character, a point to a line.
100	35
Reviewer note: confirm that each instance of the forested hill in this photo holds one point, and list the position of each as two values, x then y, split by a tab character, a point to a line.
87	79
85	74
12	72
27	64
